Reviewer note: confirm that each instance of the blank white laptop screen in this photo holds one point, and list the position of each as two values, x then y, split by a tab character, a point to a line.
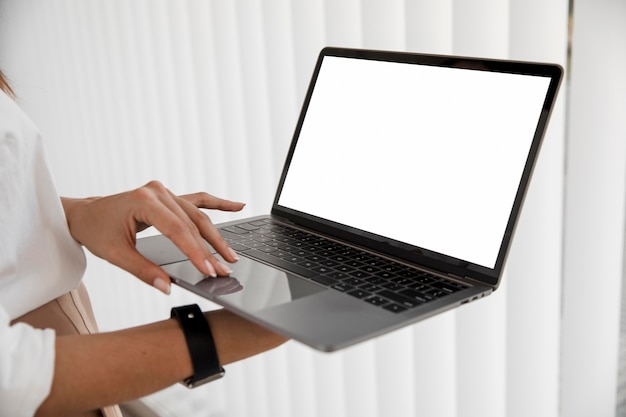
425	155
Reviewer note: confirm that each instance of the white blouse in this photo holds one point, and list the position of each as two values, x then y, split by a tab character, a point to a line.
39	261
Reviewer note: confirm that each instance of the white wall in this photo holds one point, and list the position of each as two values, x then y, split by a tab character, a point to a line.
203	95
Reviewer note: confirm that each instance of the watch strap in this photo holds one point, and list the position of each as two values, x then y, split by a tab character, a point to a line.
204	359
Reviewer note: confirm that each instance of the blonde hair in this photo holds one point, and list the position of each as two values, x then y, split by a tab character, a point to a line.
4	86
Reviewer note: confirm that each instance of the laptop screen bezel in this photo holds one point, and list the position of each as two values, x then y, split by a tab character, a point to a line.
413	254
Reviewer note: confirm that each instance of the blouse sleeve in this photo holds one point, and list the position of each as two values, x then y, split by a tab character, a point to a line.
26	367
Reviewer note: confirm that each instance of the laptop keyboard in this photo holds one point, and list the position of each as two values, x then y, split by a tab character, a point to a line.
376	280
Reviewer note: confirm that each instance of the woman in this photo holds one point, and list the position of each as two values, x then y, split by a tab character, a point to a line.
52	360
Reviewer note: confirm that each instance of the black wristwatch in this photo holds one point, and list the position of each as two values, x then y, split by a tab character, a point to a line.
206	364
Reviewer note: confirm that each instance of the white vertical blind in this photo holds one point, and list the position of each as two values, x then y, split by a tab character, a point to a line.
204	95
534	269
594	227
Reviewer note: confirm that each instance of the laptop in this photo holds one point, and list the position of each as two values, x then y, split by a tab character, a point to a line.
397	201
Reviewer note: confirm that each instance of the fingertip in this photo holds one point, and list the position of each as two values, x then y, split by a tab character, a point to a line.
162	285
224	269
233	254
235	206
147	271
209	269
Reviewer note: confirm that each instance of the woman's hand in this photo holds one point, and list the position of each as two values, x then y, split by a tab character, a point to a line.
107	226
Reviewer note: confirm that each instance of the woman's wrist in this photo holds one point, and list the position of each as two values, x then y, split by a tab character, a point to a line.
71	207
249	339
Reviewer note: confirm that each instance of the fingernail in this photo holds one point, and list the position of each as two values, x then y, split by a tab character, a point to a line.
210	269
162	285
225	268
233	254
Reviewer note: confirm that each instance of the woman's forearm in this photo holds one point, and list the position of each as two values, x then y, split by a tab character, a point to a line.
93	371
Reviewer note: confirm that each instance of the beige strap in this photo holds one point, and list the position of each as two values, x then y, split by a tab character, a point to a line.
71	313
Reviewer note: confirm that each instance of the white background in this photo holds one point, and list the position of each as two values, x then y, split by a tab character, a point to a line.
204	95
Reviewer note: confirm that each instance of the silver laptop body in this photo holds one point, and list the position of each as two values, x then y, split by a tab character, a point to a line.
398	198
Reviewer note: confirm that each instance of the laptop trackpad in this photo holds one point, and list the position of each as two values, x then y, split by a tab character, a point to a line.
252	286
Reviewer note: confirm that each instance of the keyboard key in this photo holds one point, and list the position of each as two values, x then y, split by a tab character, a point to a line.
324	280
409	273
353	281
309	264
239	247
391	268
400	299
393	286
279	253
266	249
402	280
247	226
358	293
376	280
414	295
315	258
418	286
435	293
338	275
376	300
378	262
426	279
293	259
344	268
322	270
360	274
443	286
236	230
386	274
342	287
370	287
